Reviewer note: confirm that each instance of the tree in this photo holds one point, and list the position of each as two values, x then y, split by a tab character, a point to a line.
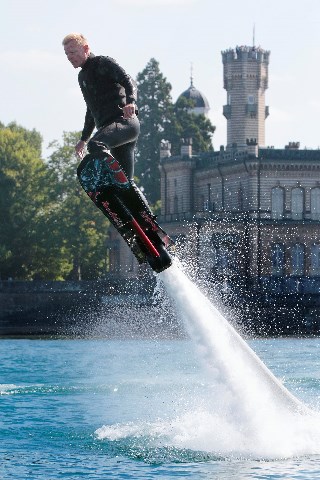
82	227
49	227
22	196
32	137
162	120
191	125
157	121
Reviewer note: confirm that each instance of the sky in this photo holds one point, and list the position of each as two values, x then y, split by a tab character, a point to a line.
39	87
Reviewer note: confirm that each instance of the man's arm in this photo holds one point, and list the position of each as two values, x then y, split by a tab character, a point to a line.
88	126
86	134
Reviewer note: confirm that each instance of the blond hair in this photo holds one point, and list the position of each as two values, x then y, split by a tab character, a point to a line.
76	37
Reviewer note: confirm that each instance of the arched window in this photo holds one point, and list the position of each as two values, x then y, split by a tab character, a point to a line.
277	259
277	202
315	259
297	203
297	259
315	203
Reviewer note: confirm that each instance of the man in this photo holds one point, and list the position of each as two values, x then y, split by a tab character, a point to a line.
110	96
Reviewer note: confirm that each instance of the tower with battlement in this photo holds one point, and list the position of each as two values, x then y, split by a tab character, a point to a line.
245	78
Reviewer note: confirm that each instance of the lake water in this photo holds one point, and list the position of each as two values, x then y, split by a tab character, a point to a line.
202	407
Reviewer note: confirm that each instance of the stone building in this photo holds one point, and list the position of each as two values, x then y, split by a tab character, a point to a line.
254	216
248	214
250	225
247	217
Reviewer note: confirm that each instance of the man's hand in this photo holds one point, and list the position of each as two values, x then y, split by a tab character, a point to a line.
129	111
80	148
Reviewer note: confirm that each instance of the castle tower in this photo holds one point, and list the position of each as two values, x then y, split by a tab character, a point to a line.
245	77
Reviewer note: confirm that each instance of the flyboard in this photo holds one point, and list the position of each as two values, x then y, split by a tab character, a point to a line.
122	203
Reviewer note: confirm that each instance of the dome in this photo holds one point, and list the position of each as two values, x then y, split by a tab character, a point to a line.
201	104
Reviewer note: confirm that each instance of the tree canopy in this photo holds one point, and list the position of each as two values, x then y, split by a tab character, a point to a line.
157	120
84	228
22	196
49	227
161	119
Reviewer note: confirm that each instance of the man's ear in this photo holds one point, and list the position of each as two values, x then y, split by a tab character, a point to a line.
86	49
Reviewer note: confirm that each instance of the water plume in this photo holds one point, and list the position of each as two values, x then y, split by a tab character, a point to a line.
243	410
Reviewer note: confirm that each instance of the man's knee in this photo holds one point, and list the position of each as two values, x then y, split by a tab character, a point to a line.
96	148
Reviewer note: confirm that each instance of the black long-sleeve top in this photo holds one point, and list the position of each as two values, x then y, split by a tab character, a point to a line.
106	89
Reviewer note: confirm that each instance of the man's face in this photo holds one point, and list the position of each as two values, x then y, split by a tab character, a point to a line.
76	54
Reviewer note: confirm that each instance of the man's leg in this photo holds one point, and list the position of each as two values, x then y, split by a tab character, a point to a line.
125	156
120	139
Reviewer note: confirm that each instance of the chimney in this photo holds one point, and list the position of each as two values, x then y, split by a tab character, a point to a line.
293	146
186	147
165	149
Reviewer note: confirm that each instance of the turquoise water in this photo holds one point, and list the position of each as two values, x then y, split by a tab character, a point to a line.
148	400
203	407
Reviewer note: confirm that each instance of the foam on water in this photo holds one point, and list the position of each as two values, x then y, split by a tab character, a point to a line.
249	413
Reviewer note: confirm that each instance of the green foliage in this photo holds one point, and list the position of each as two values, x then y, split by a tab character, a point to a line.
21	173
156	117
162	120
190	125
84	227
50	229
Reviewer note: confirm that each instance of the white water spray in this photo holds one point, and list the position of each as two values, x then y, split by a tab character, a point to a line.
222	348
250	400
246	411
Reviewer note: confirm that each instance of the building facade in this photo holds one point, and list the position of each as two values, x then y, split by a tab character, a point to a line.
250	223
248	217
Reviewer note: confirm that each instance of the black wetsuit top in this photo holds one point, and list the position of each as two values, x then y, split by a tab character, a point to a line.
106	88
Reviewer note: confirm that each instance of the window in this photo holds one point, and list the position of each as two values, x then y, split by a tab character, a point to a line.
297	259
240	198
297	203
277	203
315	203
175	205
225	260
315	259
277	259
201	203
